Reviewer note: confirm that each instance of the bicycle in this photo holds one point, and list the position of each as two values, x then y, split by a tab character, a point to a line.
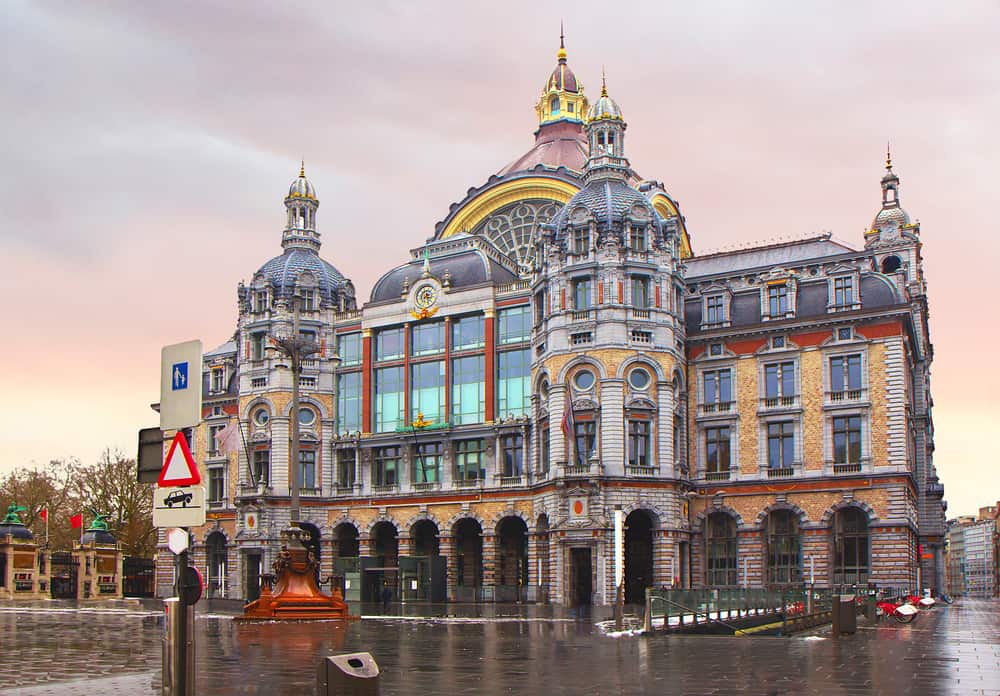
903	613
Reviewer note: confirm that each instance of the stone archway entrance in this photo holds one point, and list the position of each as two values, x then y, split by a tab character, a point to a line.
468	536
638	556
312	542
512	559
381	569
347	561
424	573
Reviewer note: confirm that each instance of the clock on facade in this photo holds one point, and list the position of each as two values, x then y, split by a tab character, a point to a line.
425	297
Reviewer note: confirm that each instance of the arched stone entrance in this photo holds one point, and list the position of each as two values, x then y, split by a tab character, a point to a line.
311	540
638	556
468	536
346	543
384	573
424	573
217	564
511	559
347	561
424	538
385	544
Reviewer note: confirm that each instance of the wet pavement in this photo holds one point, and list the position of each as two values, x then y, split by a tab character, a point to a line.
55	649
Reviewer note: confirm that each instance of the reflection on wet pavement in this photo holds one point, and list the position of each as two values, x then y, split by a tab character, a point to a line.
949	650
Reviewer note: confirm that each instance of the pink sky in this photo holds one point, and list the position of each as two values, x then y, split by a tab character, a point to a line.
147	149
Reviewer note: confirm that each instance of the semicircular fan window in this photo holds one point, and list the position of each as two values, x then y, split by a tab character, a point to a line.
513	228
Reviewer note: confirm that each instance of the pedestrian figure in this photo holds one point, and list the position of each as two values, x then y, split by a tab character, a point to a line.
386	596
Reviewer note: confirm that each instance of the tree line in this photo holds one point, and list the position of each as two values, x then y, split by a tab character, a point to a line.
67	487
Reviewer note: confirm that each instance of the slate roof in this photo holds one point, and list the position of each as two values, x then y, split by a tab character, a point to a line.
466	268
282	272
608	200
773	255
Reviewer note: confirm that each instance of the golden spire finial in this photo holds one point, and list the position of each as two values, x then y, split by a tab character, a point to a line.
561	55
302	169
888	156
604	83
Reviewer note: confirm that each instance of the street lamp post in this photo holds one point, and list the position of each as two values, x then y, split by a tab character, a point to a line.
296	595
296	348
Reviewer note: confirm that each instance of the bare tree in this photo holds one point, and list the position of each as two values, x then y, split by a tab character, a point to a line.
51	488
110	487
67	487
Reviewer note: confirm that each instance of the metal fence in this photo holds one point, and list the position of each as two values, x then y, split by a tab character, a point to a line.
670	609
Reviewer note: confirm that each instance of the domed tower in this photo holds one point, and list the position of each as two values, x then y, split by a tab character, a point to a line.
891	222
608	334
301	204
562	98
298	281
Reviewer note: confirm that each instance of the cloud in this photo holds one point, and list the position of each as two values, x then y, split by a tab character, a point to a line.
148	148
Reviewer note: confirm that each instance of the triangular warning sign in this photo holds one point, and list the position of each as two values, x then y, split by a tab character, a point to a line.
179	468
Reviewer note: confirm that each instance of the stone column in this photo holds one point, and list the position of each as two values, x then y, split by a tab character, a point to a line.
489	559
446	548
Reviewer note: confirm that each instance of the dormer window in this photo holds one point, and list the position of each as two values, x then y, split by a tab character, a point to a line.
581	240
777	301
554	106
308	300
637	239
843	292
218	379
260	301
715	310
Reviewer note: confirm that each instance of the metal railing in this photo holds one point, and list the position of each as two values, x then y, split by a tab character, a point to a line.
788	608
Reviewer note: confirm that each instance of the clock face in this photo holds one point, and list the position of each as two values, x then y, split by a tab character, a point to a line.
426	297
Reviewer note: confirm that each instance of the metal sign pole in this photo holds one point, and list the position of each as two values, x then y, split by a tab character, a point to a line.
178	657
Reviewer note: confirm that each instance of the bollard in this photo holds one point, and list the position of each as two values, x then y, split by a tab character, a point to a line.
178	648
353	674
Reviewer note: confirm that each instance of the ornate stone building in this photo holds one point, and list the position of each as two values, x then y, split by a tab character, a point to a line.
556	352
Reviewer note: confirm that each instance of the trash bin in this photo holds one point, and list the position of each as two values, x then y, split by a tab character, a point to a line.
354	674
845	618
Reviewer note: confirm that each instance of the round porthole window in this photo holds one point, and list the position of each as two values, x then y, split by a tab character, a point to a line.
638	378
307	416
261	416
584	380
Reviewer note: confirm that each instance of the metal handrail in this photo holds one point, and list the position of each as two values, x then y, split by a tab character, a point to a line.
649	619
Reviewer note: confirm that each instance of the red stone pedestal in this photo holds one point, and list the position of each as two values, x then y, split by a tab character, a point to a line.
296	596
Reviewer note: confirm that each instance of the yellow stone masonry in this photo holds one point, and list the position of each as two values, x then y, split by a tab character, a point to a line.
877	395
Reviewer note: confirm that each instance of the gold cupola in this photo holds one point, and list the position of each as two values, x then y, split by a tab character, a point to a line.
562	98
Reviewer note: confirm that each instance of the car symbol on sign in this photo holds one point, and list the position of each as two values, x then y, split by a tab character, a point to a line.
182	497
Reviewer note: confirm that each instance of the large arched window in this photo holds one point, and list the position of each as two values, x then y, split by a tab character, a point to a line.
720	549
784	548
850	547
512	228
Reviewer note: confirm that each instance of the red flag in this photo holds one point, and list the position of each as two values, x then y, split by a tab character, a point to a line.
44	514
76	521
